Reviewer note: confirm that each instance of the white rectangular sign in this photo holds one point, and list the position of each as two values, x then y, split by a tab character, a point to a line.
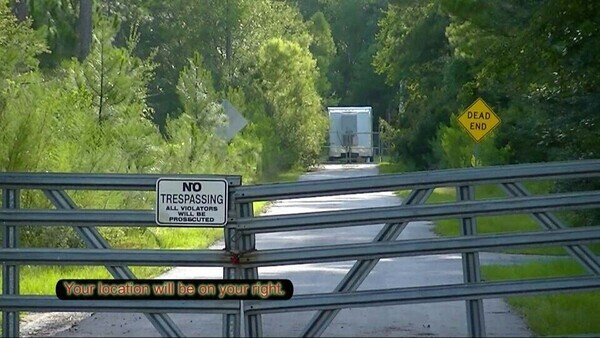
191	202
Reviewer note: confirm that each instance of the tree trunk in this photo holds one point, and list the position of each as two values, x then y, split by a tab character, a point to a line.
228	45
21	9
85	29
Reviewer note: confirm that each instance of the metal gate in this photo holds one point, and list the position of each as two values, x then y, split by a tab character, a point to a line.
240	259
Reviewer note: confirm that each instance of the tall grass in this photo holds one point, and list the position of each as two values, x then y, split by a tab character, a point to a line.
559	314
486	224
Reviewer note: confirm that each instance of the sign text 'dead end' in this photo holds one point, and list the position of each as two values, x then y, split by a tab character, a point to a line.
479	120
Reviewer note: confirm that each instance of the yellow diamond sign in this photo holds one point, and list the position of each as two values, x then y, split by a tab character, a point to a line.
479	120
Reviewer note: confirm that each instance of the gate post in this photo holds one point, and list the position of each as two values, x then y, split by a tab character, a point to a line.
237	243
231	322
471	271
10	272
253	323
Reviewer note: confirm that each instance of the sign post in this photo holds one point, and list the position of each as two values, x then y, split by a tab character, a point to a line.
188	202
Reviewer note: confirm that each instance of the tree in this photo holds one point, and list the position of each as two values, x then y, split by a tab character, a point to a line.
228	32
192	135
287	74
84	28
538	65
413	53
20	9
199	98
351	73
18	73
21	45
57	19
323	49
115	78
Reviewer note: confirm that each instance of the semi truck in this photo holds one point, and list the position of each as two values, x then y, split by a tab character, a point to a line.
350	133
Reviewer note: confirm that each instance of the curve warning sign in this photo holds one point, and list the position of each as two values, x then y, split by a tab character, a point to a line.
191	202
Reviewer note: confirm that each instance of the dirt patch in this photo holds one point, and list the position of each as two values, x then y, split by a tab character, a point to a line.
49	324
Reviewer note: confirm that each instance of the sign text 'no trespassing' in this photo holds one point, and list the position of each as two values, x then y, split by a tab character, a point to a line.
191	202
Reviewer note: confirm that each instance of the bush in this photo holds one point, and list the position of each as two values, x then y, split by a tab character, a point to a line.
457	149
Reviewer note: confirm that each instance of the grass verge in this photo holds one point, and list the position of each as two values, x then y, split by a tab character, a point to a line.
485	225
560	314
387	167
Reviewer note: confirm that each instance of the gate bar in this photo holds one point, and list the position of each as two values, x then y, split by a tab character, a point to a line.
420	180
424	294
406	248
253	322
342	218
355	299
316	254
163	307
231	321
314	220
79	181
231	326
45	256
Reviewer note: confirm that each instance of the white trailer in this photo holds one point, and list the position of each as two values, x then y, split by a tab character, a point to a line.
350	132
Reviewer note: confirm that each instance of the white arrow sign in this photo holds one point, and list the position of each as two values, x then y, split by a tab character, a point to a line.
236	122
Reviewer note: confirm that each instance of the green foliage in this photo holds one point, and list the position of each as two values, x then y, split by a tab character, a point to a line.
288	73
57	20
457	149
354	24
246	149
198	97
116	80
413	52
533	61
404	52
392	168
390	137
417	63
545	76
19	45
227	34
323	50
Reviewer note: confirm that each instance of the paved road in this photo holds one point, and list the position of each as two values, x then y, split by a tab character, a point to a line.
437	319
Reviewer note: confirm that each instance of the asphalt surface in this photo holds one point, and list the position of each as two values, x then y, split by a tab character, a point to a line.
433	319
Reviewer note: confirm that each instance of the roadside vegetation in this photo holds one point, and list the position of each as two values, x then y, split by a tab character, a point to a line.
552	315
137	87
107	88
